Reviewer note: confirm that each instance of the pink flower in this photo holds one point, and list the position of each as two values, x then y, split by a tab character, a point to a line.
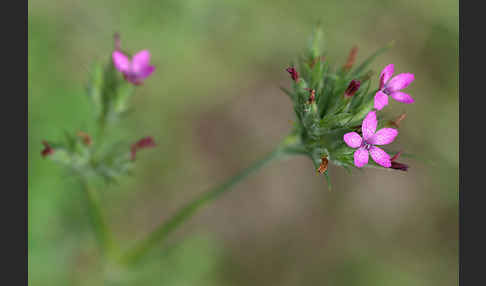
366	145
145	142
136	70
392	86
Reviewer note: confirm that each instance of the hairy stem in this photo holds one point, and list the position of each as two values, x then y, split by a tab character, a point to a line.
183	214
100	226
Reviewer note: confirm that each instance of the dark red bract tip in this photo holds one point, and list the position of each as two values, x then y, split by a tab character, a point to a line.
47	149
312	95
146	142
293	73
397	165
352	88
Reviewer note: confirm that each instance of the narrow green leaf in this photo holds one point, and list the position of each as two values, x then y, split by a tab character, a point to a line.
288	92
361	68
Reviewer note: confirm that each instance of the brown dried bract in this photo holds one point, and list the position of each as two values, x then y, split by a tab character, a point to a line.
85	137
351	58
396	122
323	167
116	40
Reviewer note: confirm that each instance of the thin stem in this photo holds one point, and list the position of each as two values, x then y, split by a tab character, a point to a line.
186	212
101	229
101	130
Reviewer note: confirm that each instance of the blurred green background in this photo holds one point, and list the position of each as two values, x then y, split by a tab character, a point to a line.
213	106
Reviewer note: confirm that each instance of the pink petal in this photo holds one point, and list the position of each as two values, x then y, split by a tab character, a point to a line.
383	136
140	61
121	62
352	139
369	125
381	100
147	71
402	97
386	74
380	157
400	81
361	157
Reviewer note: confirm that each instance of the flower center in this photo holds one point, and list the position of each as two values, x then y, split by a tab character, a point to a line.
131	75
386	90
366	145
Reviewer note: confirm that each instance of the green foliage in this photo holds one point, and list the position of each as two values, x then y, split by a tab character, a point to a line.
322	124
99	160
108	92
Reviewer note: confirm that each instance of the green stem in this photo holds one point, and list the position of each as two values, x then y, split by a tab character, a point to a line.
186	212
101	229
101	130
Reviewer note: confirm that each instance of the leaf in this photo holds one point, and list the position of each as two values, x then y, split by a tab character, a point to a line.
316	42
121	100
61	156
361	68
95	88
362	93
420	158
288	92
332	121
326	96
360	114
328	179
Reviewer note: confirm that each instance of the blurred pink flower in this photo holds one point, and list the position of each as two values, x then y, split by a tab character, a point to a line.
370	138
135	70
391	86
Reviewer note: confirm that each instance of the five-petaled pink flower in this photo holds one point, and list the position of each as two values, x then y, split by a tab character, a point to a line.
366	145
136	70
392	86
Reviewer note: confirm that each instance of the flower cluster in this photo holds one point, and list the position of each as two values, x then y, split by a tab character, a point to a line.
366	145
109	89
336	110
